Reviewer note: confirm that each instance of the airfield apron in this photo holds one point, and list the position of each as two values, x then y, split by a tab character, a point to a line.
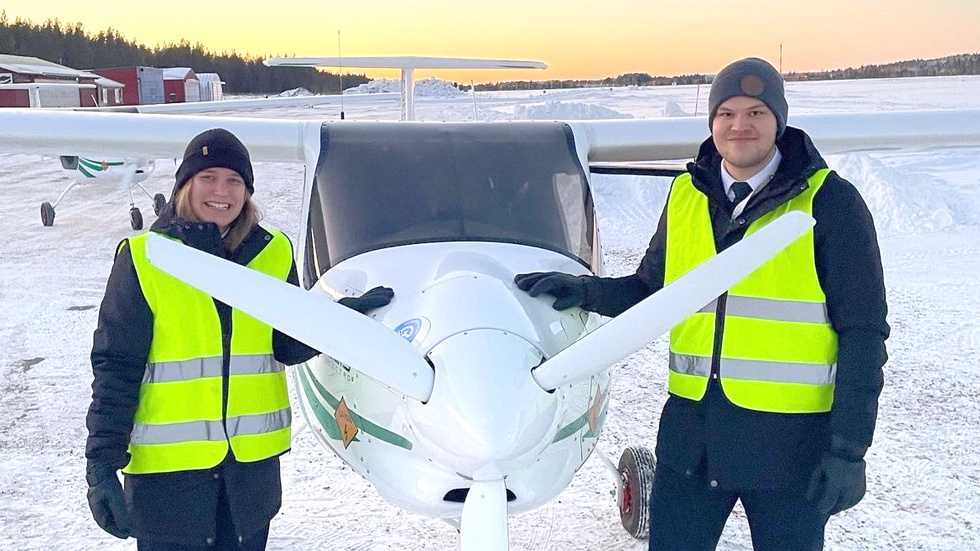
778	352
180	425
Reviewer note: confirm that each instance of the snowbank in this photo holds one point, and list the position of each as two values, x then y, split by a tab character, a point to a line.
295	93
559	110
430	87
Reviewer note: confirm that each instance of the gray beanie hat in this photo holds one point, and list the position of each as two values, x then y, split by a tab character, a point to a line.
751	77
215	148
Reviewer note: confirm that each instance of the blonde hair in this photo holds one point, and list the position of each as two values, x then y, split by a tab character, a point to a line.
238	230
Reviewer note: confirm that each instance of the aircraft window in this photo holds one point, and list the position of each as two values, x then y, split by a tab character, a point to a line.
383	185
69	163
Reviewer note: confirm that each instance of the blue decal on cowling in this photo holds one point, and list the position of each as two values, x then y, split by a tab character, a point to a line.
409	329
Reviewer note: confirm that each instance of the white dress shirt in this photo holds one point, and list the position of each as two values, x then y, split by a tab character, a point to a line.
756	182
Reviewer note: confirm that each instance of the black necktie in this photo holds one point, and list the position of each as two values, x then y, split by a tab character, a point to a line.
741	191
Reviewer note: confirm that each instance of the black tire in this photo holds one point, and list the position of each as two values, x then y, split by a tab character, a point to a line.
636	466
47	214
158	202
136	218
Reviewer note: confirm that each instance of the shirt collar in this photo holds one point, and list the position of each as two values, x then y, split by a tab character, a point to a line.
756	182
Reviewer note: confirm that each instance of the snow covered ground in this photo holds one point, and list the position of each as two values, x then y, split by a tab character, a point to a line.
924	468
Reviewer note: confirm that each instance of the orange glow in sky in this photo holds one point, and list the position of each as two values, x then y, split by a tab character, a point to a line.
579	39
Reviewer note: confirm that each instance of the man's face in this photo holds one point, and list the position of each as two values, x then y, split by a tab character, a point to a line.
744	132
217	195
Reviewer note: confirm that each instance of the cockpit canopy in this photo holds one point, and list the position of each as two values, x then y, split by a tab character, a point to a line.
388	184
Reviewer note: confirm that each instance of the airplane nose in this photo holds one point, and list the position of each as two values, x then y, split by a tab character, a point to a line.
486	413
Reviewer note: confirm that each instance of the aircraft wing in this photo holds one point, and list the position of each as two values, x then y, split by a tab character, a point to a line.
239	104
679	137
285	140
48	132
404	62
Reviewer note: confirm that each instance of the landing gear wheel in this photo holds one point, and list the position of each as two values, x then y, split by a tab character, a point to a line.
158	202
136	218
47	214
636	467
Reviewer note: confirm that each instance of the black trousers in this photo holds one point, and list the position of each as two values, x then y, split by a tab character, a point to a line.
687	513
226	539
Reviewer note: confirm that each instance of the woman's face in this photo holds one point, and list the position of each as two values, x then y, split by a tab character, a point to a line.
217	195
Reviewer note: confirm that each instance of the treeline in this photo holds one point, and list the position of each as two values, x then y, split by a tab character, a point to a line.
962	64
70	45
629	79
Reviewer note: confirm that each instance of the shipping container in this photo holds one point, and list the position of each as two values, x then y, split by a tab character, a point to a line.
144	85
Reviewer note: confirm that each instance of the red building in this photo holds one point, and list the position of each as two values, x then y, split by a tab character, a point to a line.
180	84
33	82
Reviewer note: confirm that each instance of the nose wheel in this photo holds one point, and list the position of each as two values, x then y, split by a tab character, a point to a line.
158	203
136	218
636	466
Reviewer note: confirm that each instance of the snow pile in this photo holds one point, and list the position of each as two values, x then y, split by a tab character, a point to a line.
559	110
429	88
630	207
904	200
295	93
673	109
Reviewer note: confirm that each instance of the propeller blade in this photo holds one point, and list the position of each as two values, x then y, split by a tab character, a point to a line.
341	333
483	526
636	327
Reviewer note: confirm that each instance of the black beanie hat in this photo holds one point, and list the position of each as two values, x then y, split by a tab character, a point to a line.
215	148
751	77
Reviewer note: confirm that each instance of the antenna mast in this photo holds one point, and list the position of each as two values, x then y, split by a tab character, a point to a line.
340	59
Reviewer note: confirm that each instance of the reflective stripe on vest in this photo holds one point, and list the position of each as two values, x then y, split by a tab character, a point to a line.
179	424
778	350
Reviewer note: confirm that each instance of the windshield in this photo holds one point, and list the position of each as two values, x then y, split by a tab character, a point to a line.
381	185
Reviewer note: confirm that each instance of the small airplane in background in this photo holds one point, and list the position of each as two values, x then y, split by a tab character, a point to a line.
463	399
408	65
108	168
130	173
82	170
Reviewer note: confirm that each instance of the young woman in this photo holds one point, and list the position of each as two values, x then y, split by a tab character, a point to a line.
189	398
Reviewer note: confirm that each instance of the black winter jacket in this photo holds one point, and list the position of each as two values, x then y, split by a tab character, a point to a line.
744	449
178	507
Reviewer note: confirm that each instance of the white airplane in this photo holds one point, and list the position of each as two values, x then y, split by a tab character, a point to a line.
464	399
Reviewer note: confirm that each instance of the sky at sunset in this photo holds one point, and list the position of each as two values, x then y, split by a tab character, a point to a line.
577	38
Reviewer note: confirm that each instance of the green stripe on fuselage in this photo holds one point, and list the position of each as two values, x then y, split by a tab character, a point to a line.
97	165
330	425
81	168
580	422
326	420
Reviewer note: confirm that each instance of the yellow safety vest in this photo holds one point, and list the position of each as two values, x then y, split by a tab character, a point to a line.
179	423
778	352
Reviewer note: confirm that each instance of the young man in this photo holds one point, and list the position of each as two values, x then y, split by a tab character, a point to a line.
774	386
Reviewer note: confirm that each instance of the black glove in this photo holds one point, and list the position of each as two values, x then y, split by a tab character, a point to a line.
106	500
375	298
568	289
837	484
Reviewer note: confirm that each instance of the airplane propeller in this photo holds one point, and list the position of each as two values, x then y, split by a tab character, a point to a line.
343	334
636	327
483	525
